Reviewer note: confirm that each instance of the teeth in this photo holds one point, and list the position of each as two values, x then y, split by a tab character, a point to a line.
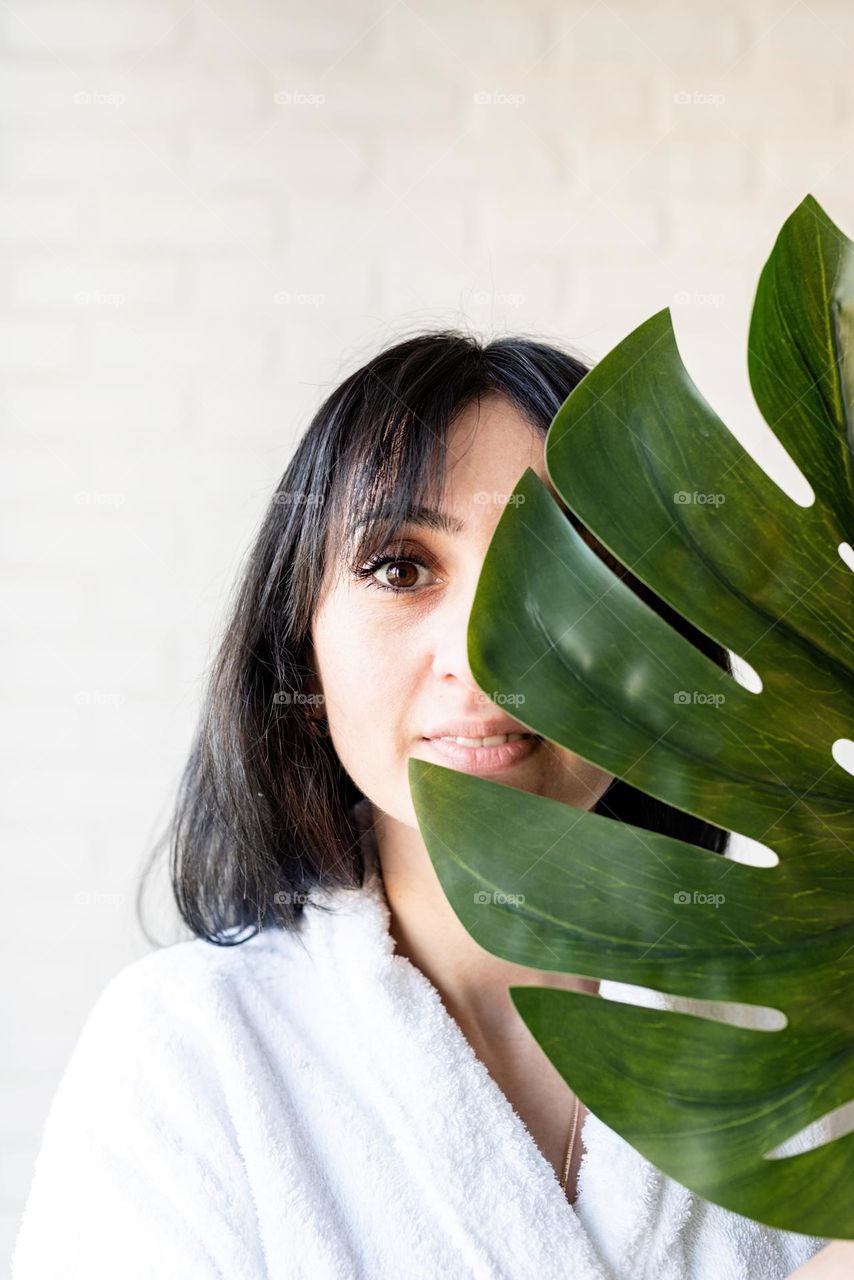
495	741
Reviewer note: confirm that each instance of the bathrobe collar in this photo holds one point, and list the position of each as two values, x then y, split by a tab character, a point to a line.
470	1148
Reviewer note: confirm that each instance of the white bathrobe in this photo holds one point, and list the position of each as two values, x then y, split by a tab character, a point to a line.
309	1110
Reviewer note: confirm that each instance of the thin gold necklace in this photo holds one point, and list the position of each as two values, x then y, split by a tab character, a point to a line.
571	1145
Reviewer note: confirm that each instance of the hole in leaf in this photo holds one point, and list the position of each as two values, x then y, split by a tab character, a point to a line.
745	675
751	852
843	753
755	1017
834	1124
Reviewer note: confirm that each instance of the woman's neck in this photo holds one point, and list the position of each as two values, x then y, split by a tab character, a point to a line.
471	981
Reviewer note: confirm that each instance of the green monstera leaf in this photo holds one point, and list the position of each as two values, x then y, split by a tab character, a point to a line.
641	458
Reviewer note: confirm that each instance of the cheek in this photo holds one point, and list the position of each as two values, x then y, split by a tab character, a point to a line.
370	711
365	678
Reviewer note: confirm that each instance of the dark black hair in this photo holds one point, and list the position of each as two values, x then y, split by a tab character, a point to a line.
264	807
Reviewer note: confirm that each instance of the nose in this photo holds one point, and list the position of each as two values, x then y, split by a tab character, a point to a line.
450	624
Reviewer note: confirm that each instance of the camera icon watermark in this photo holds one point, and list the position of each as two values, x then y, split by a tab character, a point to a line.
688	697
682	498
98	498
296	697
685	298
697	98
487	298
482	897
293	298
94	98
298	98
499	98
684	898
506	699
484	497
297	498
98	898
97	298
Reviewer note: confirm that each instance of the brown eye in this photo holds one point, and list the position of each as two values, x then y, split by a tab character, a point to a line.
402	572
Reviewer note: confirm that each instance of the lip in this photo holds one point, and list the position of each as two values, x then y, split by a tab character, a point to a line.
485	760
476	728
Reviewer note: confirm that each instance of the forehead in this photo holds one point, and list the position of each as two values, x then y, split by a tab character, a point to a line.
490	442
484	448
435	477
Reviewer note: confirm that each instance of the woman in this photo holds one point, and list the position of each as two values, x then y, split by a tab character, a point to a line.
341	1086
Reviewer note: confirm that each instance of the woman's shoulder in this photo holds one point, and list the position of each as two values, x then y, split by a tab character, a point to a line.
194	978
177	997
165	1035
202	961
174	1016
140	1141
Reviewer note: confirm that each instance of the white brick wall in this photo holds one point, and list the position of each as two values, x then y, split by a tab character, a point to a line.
210	212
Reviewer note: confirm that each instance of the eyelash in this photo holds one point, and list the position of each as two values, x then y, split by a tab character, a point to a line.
366	571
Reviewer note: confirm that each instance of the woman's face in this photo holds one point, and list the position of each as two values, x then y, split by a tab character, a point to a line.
392	665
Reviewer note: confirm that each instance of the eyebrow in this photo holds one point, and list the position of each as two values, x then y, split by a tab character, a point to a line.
429	517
